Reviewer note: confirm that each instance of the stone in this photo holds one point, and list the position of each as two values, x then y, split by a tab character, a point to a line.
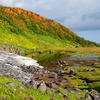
88	97
3	98
30	98
52	51
84	83
42	87
72	71
91	69
93	64
11	84
76	90
54	86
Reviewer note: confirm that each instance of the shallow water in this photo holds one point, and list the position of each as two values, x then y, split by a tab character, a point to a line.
81	56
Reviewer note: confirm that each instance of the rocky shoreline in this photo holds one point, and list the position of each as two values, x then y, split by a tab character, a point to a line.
27	71
32	75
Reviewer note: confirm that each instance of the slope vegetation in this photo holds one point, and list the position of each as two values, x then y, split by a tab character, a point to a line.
27	30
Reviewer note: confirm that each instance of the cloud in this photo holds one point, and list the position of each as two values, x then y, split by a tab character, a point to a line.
83	22
76	14
6	2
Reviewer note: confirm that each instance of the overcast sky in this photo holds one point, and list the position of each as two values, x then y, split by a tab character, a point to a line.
82	16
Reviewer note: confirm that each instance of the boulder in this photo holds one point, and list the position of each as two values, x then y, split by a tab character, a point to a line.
72	71
94	63
54	86
88	96
42	87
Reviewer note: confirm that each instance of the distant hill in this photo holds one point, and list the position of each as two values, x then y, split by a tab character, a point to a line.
28	30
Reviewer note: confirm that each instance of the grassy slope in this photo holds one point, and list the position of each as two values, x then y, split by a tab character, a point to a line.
20	92
28	30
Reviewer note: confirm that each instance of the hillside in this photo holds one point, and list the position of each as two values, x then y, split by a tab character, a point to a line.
27	30
66	66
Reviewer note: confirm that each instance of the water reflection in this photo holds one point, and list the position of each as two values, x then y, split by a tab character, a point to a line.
80	56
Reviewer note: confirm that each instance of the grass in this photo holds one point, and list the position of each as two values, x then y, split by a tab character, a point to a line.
20	92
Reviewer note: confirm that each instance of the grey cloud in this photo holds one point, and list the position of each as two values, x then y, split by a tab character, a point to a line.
82	23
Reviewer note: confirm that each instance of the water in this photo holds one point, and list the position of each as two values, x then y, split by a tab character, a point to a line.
54	73
80	56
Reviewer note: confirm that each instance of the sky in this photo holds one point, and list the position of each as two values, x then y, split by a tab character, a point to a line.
82	16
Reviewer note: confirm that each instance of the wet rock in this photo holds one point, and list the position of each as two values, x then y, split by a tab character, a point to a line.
42	87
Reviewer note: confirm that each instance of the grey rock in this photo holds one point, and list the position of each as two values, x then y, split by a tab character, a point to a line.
11	84
84	83
3	98
42	87
88	97
73	72
52	51
54	86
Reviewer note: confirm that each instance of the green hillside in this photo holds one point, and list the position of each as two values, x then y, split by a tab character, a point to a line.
28	30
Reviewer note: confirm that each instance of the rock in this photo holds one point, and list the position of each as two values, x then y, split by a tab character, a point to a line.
32	84
30	98
93	64
61	62
3	98
92	91
77	46
92	95
40	52
84	83
42	87
88	96
64	94
76	90
54	86
91	69
52	51
61	72
11	84
98	58
51	76
72	71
